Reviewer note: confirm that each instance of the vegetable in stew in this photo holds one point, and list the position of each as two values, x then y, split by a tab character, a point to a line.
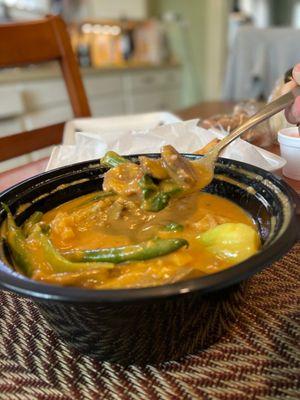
148	226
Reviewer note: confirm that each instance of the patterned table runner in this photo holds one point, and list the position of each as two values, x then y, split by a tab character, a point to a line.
259	358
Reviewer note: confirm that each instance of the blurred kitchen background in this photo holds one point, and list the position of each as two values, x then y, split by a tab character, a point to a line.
147	55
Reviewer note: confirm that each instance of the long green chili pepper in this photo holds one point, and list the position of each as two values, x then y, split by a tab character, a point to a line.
31	221
112	159
60	263
17	245
142	251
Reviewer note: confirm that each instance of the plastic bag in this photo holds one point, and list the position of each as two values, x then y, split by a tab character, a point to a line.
262	135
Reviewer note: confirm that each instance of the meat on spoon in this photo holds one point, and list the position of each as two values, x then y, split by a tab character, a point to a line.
191	176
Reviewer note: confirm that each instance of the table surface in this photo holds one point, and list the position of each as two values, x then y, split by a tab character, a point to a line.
201	110
257	358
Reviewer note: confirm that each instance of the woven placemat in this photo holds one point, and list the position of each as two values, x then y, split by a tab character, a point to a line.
258	359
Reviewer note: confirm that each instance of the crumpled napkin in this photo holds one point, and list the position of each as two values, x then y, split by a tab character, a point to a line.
185	136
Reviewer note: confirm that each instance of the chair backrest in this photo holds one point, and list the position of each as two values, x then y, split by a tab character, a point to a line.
36	42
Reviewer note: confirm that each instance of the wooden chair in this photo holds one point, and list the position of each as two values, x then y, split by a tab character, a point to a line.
36	42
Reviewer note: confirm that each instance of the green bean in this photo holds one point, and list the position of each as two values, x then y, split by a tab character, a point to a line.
93	199
148	186
157	202
146	182
160	200
112	159
153	199
2	252
17	245
170	187
22	255
142	251
60	263
173	227
31	221
156	198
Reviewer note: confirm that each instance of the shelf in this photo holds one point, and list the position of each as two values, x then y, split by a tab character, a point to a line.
52	70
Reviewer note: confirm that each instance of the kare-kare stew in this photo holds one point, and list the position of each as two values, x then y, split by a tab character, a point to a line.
149	226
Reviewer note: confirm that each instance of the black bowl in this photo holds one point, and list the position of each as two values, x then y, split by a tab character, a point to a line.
157	323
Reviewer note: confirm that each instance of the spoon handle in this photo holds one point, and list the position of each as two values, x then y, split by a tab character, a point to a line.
264	113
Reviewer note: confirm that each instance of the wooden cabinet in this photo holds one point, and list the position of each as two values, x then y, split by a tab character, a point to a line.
133	91
97	84
44	117
112	105
11	125
11	110
153	80
37	98
44	94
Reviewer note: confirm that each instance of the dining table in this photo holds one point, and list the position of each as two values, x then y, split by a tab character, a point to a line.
202	110
257	358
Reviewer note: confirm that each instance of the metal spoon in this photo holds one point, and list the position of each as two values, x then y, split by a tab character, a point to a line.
206	164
